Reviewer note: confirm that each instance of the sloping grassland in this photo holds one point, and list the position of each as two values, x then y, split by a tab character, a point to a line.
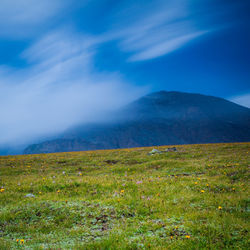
194	198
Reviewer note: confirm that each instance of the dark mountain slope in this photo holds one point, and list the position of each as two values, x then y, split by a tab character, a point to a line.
161	118
176	105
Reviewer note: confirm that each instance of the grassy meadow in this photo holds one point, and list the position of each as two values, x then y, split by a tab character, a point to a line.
195	198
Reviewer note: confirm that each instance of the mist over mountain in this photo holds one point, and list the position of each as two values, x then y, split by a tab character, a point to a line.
161	118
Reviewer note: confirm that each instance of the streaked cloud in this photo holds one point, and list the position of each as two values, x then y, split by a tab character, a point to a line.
24	18
243	100
60	88
163	48
165	27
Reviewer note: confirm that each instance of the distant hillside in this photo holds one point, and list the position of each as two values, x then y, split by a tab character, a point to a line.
161	118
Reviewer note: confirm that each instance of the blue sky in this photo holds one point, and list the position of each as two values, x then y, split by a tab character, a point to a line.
69	61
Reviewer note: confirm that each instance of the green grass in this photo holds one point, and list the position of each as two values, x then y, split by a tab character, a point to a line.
195	198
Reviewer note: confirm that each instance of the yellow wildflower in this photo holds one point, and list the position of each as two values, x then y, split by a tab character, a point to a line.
187	236
196	183
219	207
122	191
202	191
2	190
17	240
22	241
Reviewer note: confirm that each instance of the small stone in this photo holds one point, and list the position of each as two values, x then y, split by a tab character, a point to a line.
30	196
173	149
154	151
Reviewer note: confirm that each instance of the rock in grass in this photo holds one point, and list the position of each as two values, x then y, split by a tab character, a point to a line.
173	149
29	196
154	151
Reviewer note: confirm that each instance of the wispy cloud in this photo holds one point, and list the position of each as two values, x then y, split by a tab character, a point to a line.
165	47
59	89
243	100
164	27
24	18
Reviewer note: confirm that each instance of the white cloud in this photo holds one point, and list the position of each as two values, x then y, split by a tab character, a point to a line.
165	47
23	18
243	100
58	90
158	29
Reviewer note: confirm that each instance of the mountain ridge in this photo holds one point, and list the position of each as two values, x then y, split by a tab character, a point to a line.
159	118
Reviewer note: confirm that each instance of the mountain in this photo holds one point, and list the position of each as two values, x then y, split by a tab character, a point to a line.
161	118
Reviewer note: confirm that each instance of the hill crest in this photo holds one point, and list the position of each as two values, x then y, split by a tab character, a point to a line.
160	118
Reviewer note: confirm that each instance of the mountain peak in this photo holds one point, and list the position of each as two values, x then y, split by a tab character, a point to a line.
184	98
163	93
174	97
160	118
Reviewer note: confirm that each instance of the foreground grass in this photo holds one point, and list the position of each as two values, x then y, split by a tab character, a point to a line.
195	198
